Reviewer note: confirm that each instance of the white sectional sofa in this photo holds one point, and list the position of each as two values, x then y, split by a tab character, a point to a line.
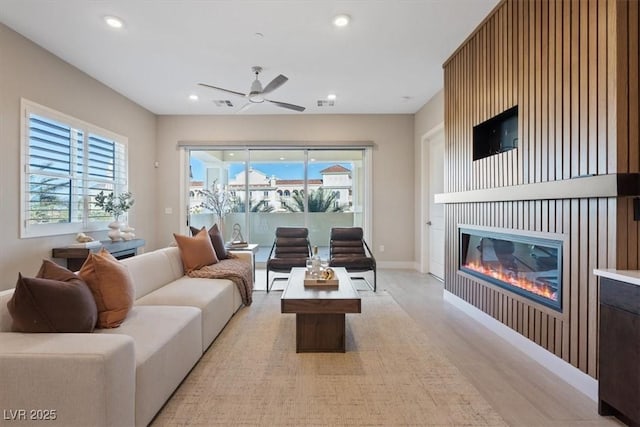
121	376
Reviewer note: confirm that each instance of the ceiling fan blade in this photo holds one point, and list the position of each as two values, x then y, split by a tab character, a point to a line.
275	83
224	90
285	105
245	107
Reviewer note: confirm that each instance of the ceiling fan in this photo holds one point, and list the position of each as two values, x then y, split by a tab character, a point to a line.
256	93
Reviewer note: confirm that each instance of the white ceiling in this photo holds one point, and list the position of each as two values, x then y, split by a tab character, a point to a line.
389	60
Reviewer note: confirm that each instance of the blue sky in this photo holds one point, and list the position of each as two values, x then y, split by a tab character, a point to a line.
281	170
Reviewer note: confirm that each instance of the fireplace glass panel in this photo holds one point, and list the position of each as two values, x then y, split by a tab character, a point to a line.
529	266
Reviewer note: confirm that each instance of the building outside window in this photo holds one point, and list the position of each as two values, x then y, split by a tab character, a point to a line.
314	188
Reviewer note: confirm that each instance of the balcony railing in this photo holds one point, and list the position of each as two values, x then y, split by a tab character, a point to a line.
262	225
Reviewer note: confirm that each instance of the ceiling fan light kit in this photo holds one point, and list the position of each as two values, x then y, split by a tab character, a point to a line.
257	92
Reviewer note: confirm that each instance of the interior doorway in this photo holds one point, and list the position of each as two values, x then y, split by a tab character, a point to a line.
432	219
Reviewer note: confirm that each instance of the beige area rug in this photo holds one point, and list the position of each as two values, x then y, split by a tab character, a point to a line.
389	376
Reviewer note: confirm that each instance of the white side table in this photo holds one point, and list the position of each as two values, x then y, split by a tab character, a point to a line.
251	247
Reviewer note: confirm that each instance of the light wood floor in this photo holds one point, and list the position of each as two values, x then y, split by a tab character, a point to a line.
521	390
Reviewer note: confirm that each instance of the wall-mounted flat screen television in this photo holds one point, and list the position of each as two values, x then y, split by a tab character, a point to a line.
496	135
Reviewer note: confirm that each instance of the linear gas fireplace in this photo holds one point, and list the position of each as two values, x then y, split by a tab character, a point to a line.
528	265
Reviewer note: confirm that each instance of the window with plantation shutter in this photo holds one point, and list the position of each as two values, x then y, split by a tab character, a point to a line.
66	162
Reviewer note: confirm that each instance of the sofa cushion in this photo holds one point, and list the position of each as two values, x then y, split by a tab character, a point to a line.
56	300
153	270
111	286
89	379
173	257
196	252
6	322
168	342
217	298
216	240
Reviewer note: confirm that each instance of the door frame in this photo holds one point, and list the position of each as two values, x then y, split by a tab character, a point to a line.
367	165
424	195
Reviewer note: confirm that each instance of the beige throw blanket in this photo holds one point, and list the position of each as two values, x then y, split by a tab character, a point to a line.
238	271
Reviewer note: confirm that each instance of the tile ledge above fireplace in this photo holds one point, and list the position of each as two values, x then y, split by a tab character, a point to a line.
631	277
610	185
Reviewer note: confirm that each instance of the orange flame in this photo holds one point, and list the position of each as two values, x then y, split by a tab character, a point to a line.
519	282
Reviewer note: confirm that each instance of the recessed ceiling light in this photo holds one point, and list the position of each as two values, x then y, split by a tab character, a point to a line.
114	22
193	97
341	20
281	158
331	97
232	154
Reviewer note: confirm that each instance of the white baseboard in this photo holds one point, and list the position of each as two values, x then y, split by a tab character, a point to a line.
397	265
567	372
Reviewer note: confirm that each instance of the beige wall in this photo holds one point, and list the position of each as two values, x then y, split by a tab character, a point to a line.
430	116
393	165
28	71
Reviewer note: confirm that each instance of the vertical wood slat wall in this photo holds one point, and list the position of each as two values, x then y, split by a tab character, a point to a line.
571	67
628	128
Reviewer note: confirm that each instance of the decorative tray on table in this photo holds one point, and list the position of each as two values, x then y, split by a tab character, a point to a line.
326	280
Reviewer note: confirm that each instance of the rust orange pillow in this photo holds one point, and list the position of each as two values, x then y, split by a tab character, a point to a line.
216	240
197	251
111	286
56	300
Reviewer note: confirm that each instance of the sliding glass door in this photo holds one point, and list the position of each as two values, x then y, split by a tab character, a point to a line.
263	189
277	187
212	195
335	192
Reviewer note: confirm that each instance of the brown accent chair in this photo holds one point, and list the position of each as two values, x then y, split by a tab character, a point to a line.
348	249
291	248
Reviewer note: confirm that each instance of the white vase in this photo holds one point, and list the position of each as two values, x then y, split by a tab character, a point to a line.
126	232
114	232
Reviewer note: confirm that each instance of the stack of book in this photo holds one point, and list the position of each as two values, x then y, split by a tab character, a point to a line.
237	244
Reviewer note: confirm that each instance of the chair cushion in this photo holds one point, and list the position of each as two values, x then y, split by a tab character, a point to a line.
292	232
346	233
338	249
302	242
298	251
285	264
352	263
291	249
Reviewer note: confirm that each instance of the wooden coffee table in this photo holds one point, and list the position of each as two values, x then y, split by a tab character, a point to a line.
320	313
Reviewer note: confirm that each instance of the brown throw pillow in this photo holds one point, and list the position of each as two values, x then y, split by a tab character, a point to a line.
111	286
56	300
216	240
196	252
